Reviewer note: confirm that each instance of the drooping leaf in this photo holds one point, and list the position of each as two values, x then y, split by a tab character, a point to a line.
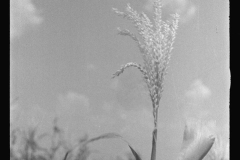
114	135
107	136
66	155
104	136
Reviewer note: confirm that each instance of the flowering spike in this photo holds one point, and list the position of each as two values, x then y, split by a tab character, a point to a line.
158	38
130	64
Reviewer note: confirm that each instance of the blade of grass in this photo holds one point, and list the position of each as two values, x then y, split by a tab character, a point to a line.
137	157
65	157
114	135
104	136
108	136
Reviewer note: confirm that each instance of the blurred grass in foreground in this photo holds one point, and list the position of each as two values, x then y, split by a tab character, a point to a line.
26	145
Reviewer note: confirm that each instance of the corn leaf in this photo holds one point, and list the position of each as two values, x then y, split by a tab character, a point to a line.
108	136
137	157
65	157
198	151
114	135
196	143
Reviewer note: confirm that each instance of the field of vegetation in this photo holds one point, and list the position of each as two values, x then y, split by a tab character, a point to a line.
155	45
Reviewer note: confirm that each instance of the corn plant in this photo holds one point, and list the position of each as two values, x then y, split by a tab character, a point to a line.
156	46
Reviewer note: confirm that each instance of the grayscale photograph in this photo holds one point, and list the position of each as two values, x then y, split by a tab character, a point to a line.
119	80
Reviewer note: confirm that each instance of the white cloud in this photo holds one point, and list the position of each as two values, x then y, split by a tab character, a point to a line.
198	104
77	117
73	111
198	91
73	102
34	116
74	108
22	14
187	14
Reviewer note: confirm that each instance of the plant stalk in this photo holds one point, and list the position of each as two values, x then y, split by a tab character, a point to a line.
154	135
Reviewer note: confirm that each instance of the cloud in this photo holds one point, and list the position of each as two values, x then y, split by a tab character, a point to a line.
74	102
73	111
187	14
198	102
34	116
200	105
18	115
77	116
198	91
22	14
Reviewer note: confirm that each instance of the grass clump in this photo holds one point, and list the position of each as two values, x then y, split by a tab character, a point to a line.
25	145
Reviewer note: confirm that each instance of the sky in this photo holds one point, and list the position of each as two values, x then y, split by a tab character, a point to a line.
63	54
